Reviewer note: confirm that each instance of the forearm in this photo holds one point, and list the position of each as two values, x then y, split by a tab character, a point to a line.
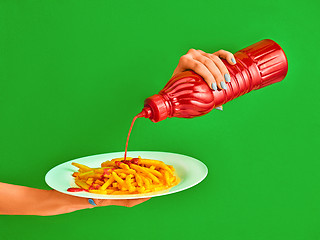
20	200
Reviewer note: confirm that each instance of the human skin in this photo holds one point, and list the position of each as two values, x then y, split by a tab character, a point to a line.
20	200
208	66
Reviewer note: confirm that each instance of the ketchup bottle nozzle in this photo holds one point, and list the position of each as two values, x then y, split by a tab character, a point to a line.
146	112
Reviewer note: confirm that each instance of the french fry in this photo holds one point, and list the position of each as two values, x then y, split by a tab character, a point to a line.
154	172
131	188
84	168
129	171
107	176
119	180
124	166
99	182
160	188
138	179
174	180
120	159
171	167
108	191
141	189
107	183
95	186
155	163
116	177
122	175
146	172
120	192
146	182
75	174
86	175
99	170
89	181
82	184
167	178
108	164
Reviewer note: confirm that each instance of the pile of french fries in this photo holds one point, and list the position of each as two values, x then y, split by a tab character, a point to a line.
130	176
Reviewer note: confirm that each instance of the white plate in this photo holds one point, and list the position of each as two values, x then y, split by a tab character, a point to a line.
190	171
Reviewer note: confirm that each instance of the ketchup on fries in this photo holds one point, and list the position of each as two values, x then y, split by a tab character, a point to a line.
130	176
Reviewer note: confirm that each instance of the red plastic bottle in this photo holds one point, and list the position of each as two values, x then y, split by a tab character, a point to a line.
187	95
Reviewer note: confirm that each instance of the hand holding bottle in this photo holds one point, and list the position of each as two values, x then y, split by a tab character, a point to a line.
187	95
208	66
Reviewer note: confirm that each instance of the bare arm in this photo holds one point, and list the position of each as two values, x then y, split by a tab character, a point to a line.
20	200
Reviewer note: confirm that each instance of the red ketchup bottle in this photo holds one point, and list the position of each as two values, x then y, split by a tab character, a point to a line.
187	95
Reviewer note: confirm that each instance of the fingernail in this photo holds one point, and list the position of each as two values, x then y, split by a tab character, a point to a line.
233	60
223	85
214	86
227	77
90	200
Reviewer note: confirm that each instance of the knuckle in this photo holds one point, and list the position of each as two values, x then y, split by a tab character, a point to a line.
183	58
214	57
207	61
192	50
197	65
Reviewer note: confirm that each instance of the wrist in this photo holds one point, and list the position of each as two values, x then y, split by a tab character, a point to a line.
69	203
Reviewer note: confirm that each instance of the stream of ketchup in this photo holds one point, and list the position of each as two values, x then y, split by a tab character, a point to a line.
133	120
142	114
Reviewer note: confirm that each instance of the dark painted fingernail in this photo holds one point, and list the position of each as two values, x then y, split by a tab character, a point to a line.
227	77
233	60
223	85
214	86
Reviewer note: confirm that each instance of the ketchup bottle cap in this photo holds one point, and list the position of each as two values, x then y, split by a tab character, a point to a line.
155	108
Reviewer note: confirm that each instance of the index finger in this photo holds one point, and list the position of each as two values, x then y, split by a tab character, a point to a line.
226	55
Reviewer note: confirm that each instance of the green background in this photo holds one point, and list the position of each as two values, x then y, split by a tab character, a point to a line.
74	73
